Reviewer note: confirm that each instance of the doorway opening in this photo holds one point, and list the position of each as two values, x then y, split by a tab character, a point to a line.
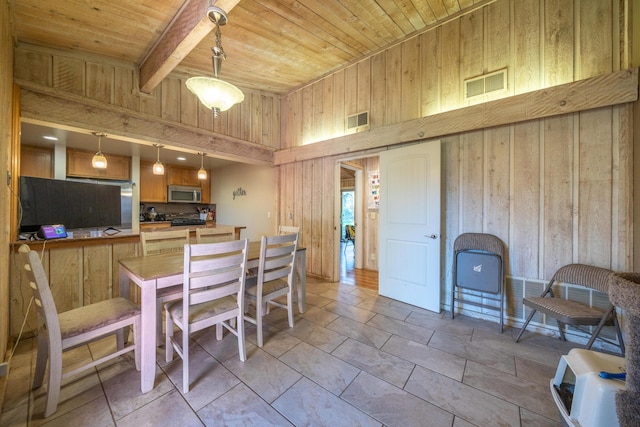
347	243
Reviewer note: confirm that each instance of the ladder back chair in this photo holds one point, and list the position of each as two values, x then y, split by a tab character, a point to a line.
213	294
58	333
575	313
215	234
159	242
276	268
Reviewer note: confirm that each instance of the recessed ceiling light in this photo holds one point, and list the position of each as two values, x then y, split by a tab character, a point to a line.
182	158
50	138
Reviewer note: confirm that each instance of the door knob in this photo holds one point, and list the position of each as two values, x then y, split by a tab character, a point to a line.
432	236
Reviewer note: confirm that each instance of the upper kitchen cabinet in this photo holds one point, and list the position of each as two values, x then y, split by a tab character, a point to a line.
153	188
79	166
178	175
36	161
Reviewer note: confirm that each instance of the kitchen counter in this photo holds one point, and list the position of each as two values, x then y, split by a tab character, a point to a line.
100	237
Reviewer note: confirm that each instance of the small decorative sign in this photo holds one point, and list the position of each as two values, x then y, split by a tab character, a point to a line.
374	190
239	192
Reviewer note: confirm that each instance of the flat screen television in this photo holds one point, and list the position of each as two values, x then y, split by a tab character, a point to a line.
71	203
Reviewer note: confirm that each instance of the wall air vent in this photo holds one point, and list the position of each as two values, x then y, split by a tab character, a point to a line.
493	83
358	122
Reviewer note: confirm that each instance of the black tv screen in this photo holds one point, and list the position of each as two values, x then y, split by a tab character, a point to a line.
73	204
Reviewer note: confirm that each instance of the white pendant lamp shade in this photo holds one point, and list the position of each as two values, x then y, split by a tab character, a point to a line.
215	93
202	173
99	161
158	167
211	91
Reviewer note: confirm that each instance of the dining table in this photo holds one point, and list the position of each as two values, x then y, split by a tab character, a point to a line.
153	272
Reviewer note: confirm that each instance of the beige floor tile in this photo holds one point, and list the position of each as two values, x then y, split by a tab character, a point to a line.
383	365
308	404
393	406
169	409
320	367
316	335
403	329
359	331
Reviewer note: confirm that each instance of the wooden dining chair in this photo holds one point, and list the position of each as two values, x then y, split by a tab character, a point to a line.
213	289
215	234
58	333
276	268
159	242
287	229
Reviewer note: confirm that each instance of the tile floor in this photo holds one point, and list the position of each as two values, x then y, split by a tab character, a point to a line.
353	359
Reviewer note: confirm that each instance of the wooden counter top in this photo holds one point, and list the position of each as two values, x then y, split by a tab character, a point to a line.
101	237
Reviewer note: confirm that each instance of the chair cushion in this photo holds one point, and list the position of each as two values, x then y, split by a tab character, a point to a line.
205	310
91	317
268	287
567	311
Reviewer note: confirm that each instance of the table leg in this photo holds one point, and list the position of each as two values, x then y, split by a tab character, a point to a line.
301	278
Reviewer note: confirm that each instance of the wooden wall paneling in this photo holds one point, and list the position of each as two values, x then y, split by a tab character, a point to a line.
307	115
298	196
256	118
151	103
525	212
497	167
123	94
227	122
378	110
266	122
472	47
96	271
328	194
527	44
297	127
244	121
622	215
20	292
472	183
498	41
36	67
339	115
557	201
285	190
393	79
317	214
68	75
364	85
450	92
350	92
593	53
205	116
65	278
188	105
118	252
430	72
594	185
170	99
317	108
558	42
327	129
307	214
411	94
274	127
99	82
451	171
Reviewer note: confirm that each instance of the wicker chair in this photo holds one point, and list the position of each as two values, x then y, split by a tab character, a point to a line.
575	313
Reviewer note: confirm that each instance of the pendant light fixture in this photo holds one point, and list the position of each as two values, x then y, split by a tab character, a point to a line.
158	167
202	173
99	161
213	92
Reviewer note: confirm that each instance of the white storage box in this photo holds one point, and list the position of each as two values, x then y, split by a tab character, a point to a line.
582	396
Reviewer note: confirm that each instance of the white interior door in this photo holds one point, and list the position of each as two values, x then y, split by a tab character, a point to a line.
409	225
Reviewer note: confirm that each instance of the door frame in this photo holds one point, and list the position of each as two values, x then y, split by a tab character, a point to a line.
359	211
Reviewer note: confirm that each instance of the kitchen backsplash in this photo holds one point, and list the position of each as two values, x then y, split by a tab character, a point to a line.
178	210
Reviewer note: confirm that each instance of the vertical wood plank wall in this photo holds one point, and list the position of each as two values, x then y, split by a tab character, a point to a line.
556	190
256	120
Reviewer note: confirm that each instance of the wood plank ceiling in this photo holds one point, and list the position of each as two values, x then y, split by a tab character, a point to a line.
271	45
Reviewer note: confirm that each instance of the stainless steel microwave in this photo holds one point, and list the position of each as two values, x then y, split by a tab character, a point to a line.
182	194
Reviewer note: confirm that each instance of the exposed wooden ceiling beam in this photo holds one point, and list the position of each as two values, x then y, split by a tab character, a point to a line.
188	28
